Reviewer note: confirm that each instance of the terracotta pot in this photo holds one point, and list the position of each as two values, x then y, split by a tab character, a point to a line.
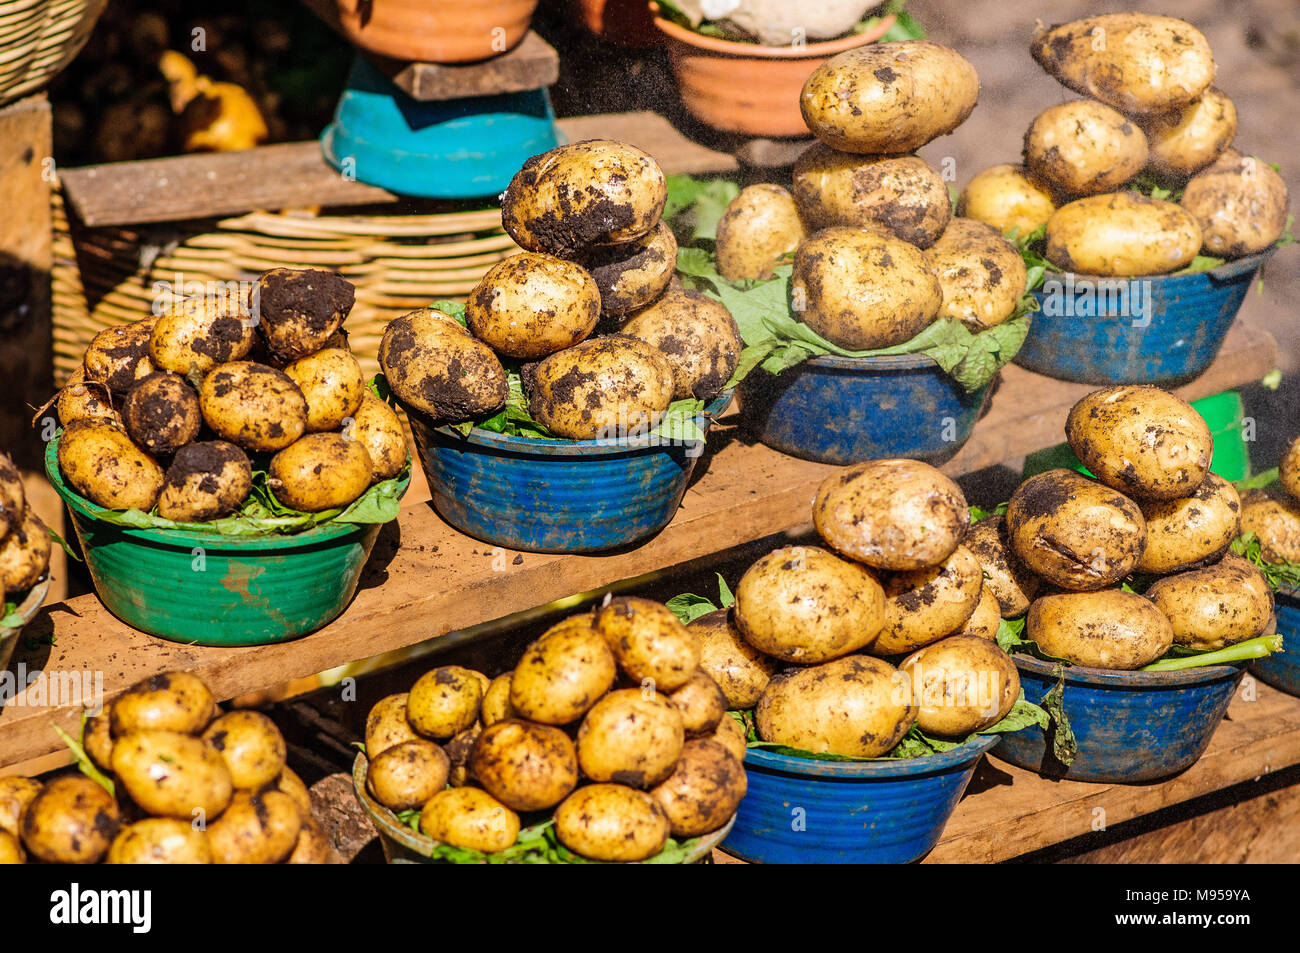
747	88
436	31
625	22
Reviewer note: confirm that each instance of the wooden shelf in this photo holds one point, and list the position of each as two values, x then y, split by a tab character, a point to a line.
425	580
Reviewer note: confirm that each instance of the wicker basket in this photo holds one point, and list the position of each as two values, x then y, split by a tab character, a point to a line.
40	37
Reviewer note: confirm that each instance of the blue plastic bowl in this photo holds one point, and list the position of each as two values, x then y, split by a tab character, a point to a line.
1282	669
1129	726
801	811
845	410
555	496
1111	342
463	148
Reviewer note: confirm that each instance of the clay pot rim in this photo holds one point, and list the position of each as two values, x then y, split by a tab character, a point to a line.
758	51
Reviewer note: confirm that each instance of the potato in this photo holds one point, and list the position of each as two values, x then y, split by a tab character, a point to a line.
731	736
97	739
924	605
313	846
701	704
1275	519
889	97
444	702
119	356
437	367
331	383
982	275
703	791
173	775
531	305
1187	139
1008	198
859	707
461	745
527	767
80	399
1084	148
699	337
496	701
603	388
805	604
254	406
649	644
289	783
72	820
631	736
562	674
387	725
377	427
405	776
16	793
613	823
11	850
320	471
161	413
891	514
1187	532
1122	234
13	499
260	828
171	701
903	194
1216	606
739	670
631	276
199	335
759	228
1134	62
160	840
251	745
1142	441
961	685
862	289
1005	576
469	818
1289	469
297	310
103	465
1074	532
1239	203
986	619
205	481
1106	629
24	554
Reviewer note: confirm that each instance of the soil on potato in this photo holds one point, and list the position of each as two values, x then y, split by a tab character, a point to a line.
314	296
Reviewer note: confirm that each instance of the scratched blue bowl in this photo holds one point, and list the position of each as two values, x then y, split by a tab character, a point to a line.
802	811
1129	726
845	410
1282	669
1112	340
555	496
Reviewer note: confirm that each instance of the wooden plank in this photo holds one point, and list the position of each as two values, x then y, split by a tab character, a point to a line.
294	175
533	64
439	581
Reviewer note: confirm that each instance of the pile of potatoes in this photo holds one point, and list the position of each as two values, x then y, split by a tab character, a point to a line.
24	540
609	723
171	412
193	786
597	260
1150	108
1273	515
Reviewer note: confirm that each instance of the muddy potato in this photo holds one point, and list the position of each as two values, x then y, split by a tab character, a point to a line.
496	701
731	736
1240	204
444	702
1186	532
173	775
703	791
982	275
387	725
648	642
320	471
525	766
24	554
13	500
531	305
632	275
313	846
859	707
332	385
205	481
469	818
97	739
102	464
436	366
405	776
903	194
72	820
760	227
1216	606
1122	234
1074	532
1008	198
1275	519
250	744
631	736
985	620
196	337
119	356
1106	629
1137	63
376	426
1005	576
1187	139
289	783
298	310
602	388
1084	148
612	823
699	337
862	289
889	97
461	745
160	840
80	399
701	704
172	701
11	850
16	793
562	674
1289	469
257	828
161	413
1142	441
891	514
961	684
805	604
925	605
736	667
253	406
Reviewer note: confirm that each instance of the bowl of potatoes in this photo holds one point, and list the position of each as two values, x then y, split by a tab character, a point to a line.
24	559
232	456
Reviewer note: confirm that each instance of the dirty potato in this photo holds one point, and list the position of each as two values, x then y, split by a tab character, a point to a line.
531	305
1187	139
72	820
704	790
1005	576
387	725
160	840
469	818
376	426
562	674
632	275
496	700
406	775
119	356
171	701
525	766
1240	204
925	605
731	736
253	406
982	275
1106	629
80	399
1084	148
961	685
1122	234
649	644
631	736
257	828
173	775
161	413
1289	469
701	704
197	336
24	554
1008	198
250	744
699	337
16	793
320	471
1275	519
13	498
1218	605
206	480
1186	532
612	823
437	367
444	702
331	383
986	619
760	227
102	464
298	310
736	667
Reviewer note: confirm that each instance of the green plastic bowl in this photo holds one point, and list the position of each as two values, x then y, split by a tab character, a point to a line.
207	589
28	608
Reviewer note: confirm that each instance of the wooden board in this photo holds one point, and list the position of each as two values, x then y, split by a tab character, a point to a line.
439	581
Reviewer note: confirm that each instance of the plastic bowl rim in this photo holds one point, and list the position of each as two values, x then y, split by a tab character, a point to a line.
1126	679
967	753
